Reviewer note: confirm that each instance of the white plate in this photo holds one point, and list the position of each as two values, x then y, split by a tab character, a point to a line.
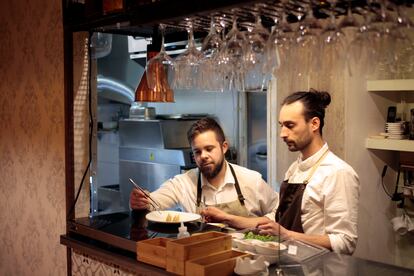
269	248
161	216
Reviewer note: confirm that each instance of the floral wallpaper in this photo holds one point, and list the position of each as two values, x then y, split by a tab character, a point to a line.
83	264
32	147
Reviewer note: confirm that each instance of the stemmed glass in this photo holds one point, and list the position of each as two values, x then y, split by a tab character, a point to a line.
210	79
307	42
404	48
364	44
254	57
233	54
333	42
187	64
349	21
280	43
159	71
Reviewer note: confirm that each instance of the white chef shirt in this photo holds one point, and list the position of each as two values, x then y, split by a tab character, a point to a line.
330	200
181	190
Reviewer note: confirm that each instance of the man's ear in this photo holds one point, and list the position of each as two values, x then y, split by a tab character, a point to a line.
225	146
315	124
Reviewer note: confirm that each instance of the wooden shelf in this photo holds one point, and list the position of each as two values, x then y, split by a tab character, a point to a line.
389	144
391	85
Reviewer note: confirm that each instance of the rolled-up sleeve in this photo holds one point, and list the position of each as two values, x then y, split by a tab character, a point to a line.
341	194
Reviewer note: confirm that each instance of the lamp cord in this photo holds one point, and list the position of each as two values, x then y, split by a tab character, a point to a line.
91	122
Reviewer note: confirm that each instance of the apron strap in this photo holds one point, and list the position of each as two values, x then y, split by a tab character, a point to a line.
199	192
314	167
236	184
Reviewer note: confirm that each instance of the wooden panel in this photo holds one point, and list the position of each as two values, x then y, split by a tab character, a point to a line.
153	251
181	250
217	264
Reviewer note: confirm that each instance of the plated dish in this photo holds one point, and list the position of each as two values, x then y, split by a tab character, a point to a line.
171	216
257	244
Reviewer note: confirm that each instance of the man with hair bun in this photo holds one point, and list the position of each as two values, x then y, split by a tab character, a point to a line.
319	195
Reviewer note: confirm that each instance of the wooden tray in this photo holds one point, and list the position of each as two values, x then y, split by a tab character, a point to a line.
153	251
222	263
181	250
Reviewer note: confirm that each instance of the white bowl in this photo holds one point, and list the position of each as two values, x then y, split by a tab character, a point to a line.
235	243
269	248
248	245
271	259
236	235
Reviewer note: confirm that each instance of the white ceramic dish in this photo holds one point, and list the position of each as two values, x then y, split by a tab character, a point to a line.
237	235
269	248
248	245
271	259
161	216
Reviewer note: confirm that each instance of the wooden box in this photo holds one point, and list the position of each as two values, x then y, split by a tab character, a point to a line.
181	250
153	251
222	263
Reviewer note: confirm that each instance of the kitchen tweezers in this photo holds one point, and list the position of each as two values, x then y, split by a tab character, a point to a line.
153	203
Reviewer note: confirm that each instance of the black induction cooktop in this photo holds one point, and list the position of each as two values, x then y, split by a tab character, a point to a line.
123	230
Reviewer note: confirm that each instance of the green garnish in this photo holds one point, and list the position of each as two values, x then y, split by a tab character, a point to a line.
265	238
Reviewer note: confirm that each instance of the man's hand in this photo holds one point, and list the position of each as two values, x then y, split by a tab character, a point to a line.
272	228
137	200
213	214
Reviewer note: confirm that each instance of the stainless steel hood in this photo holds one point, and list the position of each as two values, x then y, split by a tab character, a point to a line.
114	90
118	75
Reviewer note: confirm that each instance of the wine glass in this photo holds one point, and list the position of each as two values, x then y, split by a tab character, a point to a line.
233	54
210	77
307	42
333	43
255	55
159	72
364	44
349	21
402	28
187	64
280	43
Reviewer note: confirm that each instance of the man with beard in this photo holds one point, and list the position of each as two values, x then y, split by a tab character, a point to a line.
215	182
319	197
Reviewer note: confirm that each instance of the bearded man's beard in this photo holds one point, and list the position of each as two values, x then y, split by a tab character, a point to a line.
209	172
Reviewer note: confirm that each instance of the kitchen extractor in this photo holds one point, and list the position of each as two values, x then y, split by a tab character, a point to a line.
152	151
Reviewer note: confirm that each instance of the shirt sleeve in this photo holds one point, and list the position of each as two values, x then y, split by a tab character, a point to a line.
269	200
166	195
341	210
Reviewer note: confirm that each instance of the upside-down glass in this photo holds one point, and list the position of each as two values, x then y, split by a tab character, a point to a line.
233	54
255	56
210	77
307	44
187	64
333	44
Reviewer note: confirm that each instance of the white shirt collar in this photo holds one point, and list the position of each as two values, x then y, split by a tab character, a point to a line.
304	165
228	177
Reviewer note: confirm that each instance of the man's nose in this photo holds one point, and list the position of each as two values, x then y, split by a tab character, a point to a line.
203	154
283	132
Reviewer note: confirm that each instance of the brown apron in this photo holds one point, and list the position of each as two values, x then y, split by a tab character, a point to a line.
289	212
235	207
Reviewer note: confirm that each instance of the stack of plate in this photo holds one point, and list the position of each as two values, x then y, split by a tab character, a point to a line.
395	130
